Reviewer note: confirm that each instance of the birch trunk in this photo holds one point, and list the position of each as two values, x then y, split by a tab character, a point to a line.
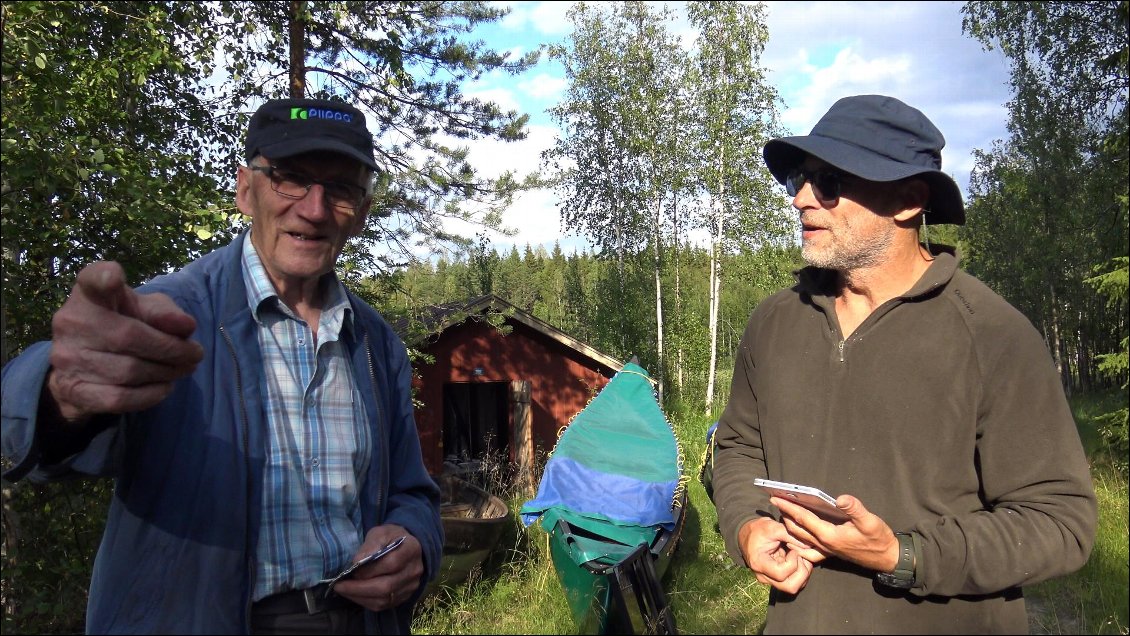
715	280
659	375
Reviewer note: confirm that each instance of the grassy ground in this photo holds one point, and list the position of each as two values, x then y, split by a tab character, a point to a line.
517	591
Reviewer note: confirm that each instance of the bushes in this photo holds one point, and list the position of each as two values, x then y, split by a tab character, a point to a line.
51	533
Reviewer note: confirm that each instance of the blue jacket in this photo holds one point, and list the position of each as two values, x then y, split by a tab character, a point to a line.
179	547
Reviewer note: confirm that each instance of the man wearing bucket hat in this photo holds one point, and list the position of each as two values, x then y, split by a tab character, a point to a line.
897	381
257	416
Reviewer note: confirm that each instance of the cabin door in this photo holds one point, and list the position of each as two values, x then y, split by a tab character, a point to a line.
476	421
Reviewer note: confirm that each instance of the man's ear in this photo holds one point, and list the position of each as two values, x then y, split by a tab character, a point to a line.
243	190
359	218
913	196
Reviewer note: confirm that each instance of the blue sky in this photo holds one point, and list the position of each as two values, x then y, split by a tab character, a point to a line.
817	53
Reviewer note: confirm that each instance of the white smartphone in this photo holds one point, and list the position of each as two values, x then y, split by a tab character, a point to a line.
816	500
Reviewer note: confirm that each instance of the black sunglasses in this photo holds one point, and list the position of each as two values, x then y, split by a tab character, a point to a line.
827	184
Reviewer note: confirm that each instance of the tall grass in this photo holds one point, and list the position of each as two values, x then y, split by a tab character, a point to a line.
517	591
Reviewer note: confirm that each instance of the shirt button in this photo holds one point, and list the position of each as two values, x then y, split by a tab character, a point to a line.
314	462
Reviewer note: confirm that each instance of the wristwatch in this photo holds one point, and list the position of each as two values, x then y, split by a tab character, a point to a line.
903	576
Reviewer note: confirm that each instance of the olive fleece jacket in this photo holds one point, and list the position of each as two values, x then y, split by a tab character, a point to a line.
944	415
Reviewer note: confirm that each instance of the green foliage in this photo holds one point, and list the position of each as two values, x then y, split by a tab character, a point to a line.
101	129
1050	202
650	130
733	115
51	532
617	56
1113	425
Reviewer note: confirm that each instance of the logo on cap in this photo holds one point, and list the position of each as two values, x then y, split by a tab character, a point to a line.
318	113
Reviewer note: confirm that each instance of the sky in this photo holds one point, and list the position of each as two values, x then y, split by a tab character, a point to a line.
817	53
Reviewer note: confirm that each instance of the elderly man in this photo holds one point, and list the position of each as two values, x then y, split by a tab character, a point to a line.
257	416
889	375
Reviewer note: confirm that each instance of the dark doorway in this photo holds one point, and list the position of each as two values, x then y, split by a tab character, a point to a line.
476	420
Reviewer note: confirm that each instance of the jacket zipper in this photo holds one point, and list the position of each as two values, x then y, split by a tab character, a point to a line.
377	401
841	346
247	464
386	615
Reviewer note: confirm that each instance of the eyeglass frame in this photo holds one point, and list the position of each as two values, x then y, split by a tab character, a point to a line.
827	183
274	175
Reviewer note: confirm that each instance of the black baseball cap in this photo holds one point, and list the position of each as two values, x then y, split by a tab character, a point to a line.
876	138
283	128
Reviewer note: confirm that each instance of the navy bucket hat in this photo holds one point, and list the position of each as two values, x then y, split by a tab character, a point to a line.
283	128
876	138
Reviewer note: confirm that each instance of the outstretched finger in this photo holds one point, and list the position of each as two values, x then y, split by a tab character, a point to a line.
104	284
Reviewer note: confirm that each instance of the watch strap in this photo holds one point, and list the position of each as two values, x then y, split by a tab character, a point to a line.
903	576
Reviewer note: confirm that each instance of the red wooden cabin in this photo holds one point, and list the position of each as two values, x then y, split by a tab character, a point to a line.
510	389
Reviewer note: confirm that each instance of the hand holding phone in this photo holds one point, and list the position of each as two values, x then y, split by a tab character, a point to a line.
816	500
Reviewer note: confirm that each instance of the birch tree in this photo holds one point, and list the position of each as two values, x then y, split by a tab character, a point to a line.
613	162
591	161
738	113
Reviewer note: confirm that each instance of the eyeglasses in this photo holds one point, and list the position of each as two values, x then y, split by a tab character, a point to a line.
295	185
827	184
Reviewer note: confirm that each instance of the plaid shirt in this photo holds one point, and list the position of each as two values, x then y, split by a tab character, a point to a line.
319	444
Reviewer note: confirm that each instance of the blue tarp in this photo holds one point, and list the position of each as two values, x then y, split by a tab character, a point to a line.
616	468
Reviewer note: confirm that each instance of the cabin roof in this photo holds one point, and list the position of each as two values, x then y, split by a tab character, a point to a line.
437	319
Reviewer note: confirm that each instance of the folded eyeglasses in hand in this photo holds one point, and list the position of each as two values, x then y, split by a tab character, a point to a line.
356	564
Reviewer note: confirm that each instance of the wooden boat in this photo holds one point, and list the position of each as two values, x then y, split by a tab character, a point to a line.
473	521
613	499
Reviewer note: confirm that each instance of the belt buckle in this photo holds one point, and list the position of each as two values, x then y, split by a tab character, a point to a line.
315	598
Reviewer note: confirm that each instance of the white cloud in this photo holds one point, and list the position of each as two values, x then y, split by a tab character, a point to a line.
544	17
849	74
533	214
817	53
493	157
543	86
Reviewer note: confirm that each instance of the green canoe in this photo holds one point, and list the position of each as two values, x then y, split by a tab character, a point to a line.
613	500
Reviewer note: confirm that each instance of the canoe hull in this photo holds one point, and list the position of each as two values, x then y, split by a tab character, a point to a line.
591	588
